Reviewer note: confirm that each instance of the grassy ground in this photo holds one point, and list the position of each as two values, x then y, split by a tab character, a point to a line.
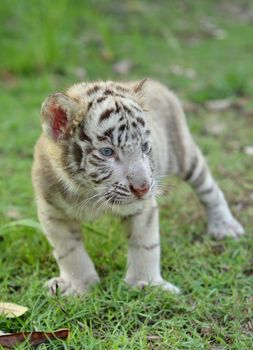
203	50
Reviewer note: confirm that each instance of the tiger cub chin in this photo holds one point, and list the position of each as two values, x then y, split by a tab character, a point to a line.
105	146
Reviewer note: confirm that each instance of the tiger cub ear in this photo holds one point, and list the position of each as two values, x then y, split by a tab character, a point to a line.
56	112
138	87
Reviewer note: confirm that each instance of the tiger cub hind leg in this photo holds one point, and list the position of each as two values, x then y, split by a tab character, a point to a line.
221	222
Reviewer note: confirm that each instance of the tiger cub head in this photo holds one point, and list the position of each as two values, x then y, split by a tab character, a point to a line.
103	138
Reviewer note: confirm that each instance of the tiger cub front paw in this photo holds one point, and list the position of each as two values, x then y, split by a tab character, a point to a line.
221	226
64	287
160	283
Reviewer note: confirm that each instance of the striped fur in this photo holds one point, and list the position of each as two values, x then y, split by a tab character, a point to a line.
144	126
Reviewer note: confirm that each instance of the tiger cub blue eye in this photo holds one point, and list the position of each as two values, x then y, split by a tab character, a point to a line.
145	147
106	151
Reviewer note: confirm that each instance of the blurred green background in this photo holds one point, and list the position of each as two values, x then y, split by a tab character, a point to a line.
209	40
202	50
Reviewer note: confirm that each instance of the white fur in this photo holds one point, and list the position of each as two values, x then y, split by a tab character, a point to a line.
173	152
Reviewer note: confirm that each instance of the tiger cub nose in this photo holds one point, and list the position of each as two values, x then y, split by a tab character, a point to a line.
139	191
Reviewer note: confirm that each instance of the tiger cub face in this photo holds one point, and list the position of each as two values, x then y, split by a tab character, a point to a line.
104	141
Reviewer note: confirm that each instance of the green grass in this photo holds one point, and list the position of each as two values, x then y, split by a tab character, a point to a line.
42	44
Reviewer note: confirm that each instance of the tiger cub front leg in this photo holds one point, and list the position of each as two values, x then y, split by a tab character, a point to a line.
77	272
144	249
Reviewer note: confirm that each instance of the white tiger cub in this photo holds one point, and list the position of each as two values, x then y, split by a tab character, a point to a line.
103	146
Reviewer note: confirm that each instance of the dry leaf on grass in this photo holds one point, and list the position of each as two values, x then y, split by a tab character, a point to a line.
153	337
123	67
189	73
248	326
248	150
191	107
13	213
214	127
80	73
219	105
10	341
210	29
107	54
11	310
